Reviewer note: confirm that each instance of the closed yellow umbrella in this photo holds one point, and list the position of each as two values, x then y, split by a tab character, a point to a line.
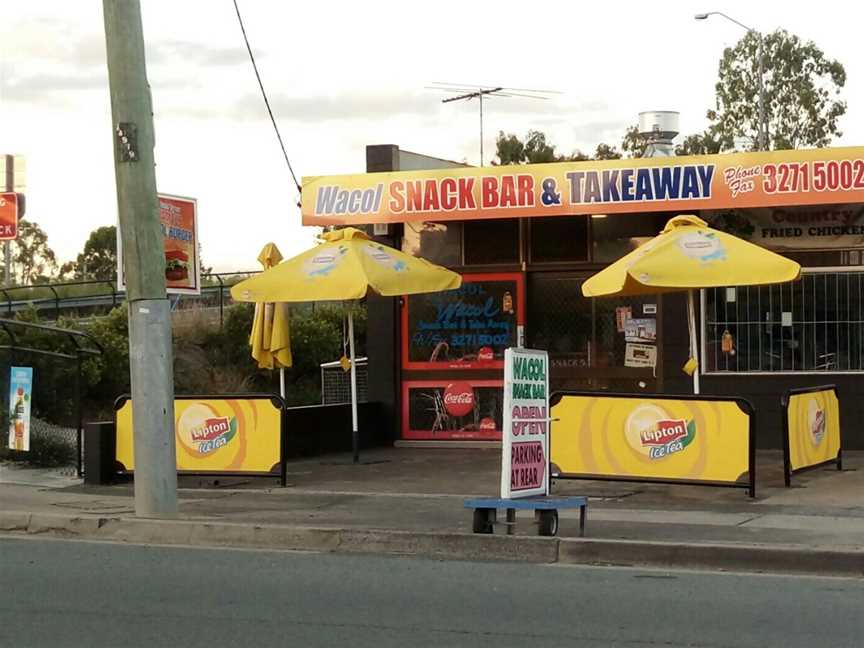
689	255
346	266
270	338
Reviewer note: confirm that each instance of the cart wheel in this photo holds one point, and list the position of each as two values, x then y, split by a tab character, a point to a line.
484	520
548	523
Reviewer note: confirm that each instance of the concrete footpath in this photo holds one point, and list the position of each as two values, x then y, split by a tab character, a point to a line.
409	501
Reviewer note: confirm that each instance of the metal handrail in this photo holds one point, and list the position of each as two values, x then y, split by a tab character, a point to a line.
72	334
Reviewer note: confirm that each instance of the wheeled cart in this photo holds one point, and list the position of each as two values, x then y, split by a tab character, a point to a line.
545	512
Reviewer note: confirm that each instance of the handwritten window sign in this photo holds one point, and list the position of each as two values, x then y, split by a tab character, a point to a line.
466	328
525	447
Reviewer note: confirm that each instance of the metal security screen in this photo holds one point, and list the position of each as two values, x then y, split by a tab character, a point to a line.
815	324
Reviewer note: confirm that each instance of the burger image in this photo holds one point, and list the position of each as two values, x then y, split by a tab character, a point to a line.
176	265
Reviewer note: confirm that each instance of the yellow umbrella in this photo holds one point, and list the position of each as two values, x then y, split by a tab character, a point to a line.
270	338
346	266
688	255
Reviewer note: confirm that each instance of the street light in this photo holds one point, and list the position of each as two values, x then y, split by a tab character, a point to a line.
763	127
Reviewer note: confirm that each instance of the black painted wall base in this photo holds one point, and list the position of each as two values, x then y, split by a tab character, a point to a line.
323	429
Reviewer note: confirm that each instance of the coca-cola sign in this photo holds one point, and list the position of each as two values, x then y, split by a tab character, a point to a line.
459	398
487	424
486	354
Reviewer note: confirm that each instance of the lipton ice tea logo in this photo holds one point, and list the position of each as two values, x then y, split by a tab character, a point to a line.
203	431
702	246
324	261
815	421
384	258
652	432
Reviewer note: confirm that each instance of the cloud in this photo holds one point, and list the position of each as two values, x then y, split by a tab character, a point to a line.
336	107
188	52
55	89
384	105
51	88
597	131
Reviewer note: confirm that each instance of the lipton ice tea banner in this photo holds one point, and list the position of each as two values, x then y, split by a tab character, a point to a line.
812	434
20	394
657	438
231	435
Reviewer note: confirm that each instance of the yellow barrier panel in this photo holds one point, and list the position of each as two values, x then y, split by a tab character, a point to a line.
811	430
630	437
238	434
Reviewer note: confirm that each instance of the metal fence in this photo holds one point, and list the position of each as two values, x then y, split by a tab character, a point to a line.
336	383
56	356
98	296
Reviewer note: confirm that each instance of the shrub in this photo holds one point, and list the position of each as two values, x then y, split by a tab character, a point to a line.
50	447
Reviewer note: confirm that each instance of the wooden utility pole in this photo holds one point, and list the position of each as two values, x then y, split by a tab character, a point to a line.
150	354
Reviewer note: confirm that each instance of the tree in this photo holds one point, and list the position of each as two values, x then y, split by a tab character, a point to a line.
633	143
537	150
802	89
705	143
34	260
510	149
606	152
98	260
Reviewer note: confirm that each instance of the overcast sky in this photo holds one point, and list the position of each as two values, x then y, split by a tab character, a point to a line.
342	75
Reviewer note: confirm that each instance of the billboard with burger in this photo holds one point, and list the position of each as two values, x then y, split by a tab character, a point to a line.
176	266
178	217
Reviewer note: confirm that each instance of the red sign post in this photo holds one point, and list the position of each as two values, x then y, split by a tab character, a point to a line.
8	216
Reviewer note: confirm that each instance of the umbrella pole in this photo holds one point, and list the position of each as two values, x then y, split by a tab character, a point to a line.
282	382
355	436
694	352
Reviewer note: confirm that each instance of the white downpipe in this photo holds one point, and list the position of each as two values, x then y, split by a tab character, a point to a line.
694	347
355	436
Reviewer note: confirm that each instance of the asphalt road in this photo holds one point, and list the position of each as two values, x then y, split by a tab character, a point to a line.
69	593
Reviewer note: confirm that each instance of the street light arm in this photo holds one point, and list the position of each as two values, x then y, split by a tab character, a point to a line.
704	16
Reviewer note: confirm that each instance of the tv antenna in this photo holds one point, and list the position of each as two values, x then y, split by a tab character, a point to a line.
468	91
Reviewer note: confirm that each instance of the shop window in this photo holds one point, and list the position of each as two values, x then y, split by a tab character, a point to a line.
615	235
452	409
814	324
490	242
466	328
439	243
582	333
559	239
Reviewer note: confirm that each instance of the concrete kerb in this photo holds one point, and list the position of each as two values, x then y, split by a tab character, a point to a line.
458	546
722	557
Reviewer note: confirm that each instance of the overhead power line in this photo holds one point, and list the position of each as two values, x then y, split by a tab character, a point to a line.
266	101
